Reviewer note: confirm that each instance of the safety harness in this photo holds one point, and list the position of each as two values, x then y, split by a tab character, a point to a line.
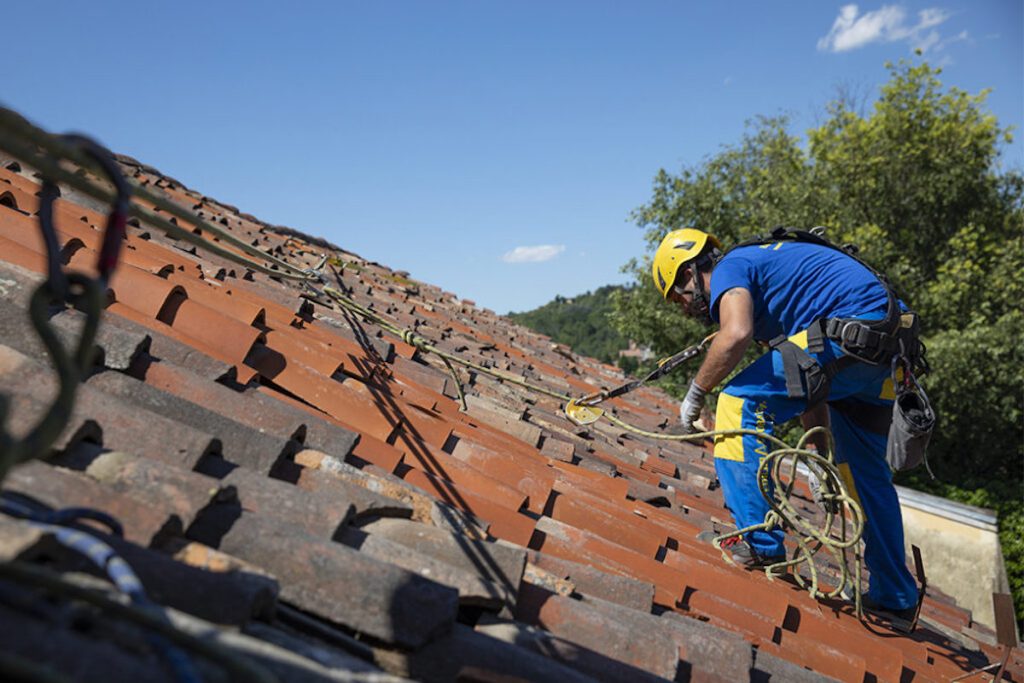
896	336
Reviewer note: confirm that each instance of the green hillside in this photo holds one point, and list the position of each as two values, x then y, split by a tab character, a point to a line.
580	322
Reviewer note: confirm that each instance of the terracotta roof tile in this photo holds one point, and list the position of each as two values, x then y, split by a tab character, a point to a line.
601	631
290	443
145	522
318	577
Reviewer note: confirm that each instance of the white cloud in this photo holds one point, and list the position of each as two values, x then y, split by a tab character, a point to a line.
852	30
542	252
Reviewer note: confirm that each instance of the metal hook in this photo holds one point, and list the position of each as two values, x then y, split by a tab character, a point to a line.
117	219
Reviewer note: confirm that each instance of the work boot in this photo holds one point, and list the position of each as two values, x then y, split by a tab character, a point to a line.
900	619
741	552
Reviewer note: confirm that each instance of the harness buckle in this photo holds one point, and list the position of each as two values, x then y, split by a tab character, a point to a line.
849	336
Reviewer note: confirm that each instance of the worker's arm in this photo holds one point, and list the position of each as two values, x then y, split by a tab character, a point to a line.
736	313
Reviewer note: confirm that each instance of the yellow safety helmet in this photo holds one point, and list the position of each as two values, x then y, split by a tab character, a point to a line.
678	248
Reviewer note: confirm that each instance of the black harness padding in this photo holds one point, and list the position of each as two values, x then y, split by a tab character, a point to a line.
805	376
862	340
871	341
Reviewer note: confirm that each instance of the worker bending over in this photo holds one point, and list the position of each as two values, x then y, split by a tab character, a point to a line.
833	327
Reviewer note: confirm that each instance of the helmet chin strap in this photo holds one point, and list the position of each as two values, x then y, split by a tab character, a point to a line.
701	305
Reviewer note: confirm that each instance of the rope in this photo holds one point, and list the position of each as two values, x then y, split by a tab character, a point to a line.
21	139
239	668
774	486
410	337
107	560
16	668
86	294
69	368
61	289
14	129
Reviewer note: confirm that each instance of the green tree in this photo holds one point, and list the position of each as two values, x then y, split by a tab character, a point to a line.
918	183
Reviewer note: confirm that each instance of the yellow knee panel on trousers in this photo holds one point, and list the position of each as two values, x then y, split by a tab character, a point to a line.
729	415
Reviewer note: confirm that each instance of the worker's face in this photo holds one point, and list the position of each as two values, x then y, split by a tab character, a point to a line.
684	293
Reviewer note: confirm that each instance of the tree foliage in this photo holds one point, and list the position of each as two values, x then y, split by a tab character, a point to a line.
918	183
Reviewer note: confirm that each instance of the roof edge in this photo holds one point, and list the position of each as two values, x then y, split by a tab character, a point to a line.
970	515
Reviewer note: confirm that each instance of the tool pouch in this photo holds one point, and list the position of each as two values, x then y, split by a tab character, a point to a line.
912	423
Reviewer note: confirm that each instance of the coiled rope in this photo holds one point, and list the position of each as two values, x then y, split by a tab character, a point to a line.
776	475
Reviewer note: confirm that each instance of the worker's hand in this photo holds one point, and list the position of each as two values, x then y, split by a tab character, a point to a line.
689	409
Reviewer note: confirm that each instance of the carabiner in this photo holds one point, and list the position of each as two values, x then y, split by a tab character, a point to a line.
117	219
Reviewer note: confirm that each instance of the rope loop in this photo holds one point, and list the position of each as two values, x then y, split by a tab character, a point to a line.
412	339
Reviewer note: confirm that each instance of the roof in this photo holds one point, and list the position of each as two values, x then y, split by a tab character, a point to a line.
304	489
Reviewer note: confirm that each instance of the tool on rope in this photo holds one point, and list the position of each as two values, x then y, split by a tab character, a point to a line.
776	490
38	149
583	411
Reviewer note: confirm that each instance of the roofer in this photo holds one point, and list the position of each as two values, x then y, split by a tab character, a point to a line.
834	327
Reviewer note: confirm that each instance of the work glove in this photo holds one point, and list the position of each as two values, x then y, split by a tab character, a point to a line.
689	409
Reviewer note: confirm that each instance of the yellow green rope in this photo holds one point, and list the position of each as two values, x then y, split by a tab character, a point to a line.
22	139
809	538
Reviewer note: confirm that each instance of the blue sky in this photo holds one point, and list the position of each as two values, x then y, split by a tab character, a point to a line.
495	149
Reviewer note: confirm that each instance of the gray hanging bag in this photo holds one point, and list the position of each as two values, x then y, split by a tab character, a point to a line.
912	423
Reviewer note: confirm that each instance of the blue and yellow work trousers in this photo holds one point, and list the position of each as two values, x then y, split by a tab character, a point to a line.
757	399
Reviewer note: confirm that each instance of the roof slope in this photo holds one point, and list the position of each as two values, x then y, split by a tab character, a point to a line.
306	489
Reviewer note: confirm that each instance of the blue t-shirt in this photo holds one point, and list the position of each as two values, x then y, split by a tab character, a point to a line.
793	284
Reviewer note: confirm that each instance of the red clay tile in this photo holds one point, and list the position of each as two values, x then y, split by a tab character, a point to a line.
155	252
373	450
144	292
557	449
438	463
330	396
729	615
23	230
601	630
880	658
578	545
568	477
831	660
530	478
232	338
22	256
316	356
144	320
219	298
417	426
504	523
632	534
659	466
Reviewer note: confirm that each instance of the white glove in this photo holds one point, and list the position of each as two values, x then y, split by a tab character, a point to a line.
689	409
